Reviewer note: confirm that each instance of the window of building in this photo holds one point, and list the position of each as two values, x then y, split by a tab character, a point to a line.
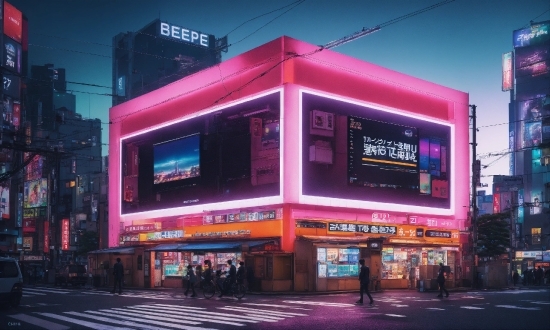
334	262
535	235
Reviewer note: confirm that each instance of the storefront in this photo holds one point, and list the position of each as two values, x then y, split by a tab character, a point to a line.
398	255
323	172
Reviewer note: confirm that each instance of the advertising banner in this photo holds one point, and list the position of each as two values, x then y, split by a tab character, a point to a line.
11	59
507	72
12	85
27	243
36	193
5	200
533	35
65	234
496	203
13	22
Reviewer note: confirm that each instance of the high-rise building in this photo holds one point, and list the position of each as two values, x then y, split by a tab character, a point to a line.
529	135
159	54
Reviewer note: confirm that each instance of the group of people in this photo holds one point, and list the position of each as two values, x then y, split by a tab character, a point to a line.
533	276
206	276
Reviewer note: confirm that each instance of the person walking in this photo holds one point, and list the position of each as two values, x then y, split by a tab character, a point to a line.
441	282
515	277
364	278
241	273
118	272
191	279
230	279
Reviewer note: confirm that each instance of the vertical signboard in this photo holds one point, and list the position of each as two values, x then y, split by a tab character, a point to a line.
496	203
507	72
65	234
46	237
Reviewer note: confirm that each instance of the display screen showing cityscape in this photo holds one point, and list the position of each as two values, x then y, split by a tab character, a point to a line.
177	159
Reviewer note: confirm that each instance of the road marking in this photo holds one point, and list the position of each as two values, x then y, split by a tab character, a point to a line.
280	306
267	311
436	309
471	307
397	305
317	303
150	319
32	290
541	302
242	318
517	307
186	316
92	325
110	320
395	315
39	322
257	314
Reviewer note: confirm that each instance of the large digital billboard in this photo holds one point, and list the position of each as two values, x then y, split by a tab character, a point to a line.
176	159
533	35
12	53
13	22
36	193
227	155
376	155
507	72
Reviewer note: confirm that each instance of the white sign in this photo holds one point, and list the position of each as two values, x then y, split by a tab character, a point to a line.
180	33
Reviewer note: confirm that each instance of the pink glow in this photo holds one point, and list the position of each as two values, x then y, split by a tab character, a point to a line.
328	73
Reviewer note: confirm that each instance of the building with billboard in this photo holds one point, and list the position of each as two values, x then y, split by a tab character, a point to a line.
157	55
296	160
529	135
14	40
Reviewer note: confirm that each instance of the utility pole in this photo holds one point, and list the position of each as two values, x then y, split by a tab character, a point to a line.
475	177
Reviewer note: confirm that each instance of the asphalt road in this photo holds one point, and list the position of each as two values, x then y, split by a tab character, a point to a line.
46	307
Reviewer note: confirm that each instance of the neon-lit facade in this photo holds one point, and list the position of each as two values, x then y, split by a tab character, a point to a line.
290	157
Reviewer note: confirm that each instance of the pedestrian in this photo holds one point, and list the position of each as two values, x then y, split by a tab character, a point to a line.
118	272
198	274
241	273
191	279
230	279
515	277
441	281
207	274
364	278
539	275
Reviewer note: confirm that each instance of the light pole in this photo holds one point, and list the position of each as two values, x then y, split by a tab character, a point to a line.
475	177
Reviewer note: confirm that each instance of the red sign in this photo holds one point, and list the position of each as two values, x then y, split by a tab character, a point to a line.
146	227
16	115
29	225
13	22
46	237
65	234
496	203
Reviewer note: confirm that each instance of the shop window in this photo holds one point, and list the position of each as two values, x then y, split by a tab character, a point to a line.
535	235
174	264
403	262
334	262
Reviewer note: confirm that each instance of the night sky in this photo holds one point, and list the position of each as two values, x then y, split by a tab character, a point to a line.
458	45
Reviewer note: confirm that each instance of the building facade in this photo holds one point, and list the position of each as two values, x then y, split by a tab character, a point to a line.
526	74
298	169
157	55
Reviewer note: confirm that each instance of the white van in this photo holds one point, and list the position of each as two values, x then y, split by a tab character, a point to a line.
11	282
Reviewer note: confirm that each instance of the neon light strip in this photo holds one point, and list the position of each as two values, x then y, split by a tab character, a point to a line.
245	203
369	205
386	162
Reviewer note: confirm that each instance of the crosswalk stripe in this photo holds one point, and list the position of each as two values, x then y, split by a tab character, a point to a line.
39	322
280	306
108	320
34	293
242	318
268	311
88	324
150	319
46	290
191	315
261	315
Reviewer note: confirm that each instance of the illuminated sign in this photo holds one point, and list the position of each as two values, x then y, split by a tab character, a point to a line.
11	58
33	258
536	34
228	233
241	217
187	35
351	227
46	237
27	243
507	72
146	227
311	224
168	234
438	234
13	22
65	234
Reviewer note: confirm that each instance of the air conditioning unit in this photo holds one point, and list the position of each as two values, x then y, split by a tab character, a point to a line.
319	154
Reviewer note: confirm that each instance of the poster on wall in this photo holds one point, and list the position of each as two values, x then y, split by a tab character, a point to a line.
536	202
36	193
332	270
321	254
332	255
322	270
532	136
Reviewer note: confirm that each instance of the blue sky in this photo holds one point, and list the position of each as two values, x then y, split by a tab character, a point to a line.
458	45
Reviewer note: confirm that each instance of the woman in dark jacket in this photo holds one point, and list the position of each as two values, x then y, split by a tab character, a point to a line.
191	279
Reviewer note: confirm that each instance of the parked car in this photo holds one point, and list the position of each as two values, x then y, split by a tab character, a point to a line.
71	274
11	282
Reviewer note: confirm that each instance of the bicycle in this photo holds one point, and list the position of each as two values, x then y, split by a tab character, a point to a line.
238	290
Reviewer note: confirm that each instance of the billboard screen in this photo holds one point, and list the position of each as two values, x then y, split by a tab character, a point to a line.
13	22
36	193
533	35
507	72
378	156
5	200
228	155
177	159
11	59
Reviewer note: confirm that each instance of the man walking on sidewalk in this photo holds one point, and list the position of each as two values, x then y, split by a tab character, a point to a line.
118	272
441	281
364	278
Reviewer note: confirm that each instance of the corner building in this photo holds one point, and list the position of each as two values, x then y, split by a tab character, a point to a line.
298	165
